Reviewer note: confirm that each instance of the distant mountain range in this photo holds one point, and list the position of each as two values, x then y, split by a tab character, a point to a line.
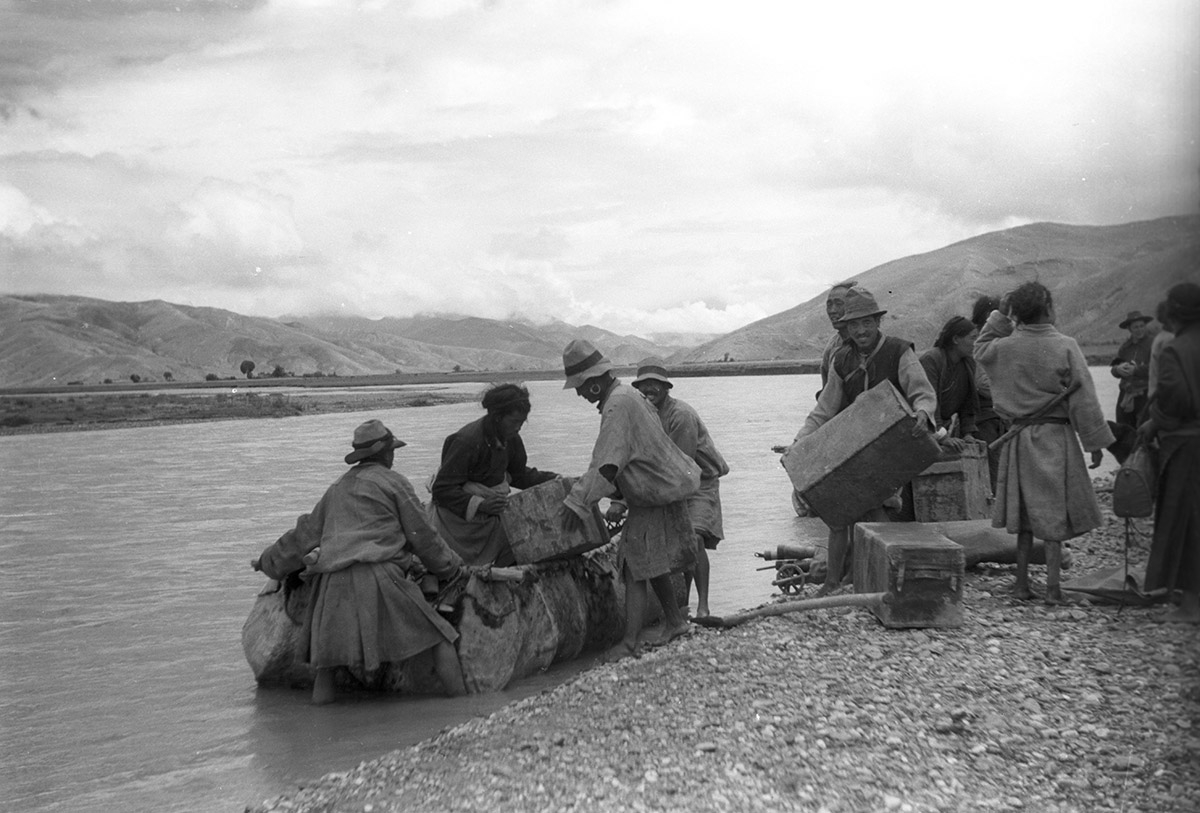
1097	274
55	340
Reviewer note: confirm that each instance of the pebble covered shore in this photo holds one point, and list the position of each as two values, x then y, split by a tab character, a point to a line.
1085	708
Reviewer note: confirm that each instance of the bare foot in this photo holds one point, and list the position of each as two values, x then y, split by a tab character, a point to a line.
1021	592
702	611
670	635
1054	597
619	652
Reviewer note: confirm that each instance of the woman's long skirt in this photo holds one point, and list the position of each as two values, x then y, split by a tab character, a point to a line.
1174	561
370	614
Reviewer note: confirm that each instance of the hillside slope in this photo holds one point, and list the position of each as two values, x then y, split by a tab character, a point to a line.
1096	273
47	340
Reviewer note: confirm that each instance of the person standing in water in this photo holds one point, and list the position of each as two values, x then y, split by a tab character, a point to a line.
358	547
684	426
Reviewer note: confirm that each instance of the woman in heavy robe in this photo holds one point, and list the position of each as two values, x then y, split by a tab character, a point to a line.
481	462
1174	561
950	367
360	547
635	460
1043	489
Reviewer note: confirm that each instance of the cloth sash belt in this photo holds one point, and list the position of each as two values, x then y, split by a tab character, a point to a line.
1039	421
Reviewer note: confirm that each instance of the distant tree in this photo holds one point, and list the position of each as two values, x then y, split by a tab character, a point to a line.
247	368
167	376
279	372
457	368
212	377
135	378
108	381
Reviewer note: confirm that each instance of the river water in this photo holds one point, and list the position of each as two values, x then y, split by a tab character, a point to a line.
125	580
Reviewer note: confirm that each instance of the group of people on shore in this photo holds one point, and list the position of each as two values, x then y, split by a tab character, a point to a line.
1007	378
1005	373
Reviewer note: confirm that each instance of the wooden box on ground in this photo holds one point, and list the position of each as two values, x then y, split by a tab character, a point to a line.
533	523
955	487
920	570
858	458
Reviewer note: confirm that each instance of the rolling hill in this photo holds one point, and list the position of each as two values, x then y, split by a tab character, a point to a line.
1097	274
48	340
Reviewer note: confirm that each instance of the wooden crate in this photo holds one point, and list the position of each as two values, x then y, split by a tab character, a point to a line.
860	457
955	487
533	523
920	570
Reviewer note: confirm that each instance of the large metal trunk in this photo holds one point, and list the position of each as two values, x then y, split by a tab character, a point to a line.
955	487
920	570
860	457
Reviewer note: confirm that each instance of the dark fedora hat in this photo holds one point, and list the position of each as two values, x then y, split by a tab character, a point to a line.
1135	316
652	368
582	361
371	438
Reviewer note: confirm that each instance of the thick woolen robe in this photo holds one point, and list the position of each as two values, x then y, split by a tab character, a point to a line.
368	532
685	427
475	462
1043	484
1174	560
657	538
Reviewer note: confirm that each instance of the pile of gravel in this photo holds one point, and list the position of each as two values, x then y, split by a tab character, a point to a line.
1085	708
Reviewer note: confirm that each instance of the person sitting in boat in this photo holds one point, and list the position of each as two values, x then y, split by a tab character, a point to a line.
480	463
359	546
634	459
869	359
685	427
1040	382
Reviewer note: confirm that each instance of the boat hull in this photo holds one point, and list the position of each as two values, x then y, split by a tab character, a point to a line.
507	630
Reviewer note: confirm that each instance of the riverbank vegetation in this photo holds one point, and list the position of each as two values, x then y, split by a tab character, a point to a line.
22	414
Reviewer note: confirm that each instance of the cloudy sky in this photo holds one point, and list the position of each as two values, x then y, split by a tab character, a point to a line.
638	165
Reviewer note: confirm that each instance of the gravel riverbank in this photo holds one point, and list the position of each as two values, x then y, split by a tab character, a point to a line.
1084	708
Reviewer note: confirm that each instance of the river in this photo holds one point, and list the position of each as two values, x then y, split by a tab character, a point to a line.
125	580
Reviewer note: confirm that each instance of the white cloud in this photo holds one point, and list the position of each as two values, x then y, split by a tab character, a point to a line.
653	164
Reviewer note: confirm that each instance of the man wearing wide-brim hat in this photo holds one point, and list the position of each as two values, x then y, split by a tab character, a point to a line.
1132	367
868	359
684	426
634	460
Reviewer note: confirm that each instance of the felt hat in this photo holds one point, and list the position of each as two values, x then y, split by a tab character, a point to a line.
1135	316
859	303
652	369
582	361
371	438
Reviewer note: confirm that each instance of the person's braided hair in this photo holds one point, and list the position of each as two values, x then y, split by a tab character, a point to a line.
956	327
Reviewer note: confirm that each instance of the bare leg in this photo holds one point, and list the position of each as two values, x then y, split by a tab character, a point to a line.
1021	590
839	541
636	594
449	670
674	624
1053	569
323	689
702	572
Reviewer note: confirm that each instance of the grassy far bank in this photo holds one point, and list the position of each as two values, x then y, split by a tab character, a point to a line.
83	411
